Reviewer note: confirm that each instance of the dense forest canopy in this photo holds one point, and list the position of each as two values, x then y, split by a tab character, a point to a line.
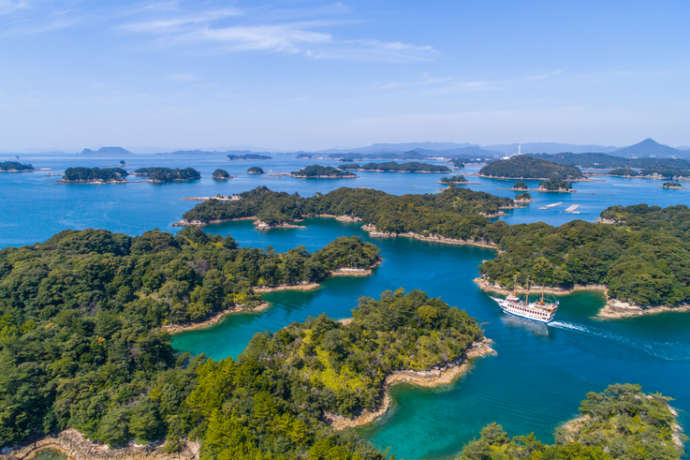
80	338
527	167
15	166
80	174
642	257
392	166
621	422
317	171
606	161
163	175
455	213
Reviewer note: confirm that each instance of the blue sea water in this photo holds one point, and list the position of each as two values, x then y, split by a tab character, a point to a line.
540	373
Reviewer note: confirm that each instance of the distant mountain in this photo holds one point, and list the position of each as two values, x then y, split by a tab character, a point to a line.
401	147
649	148
549	147
108	150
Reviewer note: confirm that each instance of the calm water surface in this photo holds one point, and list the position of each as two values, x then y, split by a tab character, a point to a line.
540	374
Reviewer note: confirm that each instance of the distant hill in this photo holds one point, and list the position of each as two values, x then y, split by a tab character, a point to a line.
527	167
604	161
549	147
108	150
402	147
649	148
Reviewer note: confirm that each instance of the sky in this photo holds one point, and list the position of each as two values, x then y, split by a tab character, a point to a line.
302	74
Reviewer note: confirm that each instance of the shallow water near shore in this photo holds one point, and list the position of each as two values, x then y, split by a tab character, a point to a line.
541	372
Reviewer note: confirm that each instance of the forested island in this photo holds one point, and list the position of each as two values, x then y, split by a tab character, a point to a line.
457	163
82	343
622	422
392	166
255	171
636	253
672	186
248	156
15	166
167	175
80	175
322	172
519	185
523	197
555	185
221	174
527	167
453	180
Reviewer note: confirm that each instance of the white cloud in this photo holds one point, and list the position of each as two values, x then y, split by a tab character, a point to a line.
255	33
10	6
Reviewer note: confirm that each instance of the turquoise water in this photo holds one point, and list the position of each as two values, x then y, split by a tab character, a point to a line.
540	374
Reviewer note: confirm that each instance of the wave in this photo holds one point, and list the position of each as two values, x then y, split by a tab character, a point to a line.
667	351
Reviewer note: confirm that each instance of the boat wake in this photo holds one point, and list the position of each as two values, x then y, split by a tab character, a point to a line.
667	351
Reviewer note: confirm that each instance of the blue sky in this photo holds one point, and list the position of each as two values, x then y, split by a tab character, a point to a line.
307	74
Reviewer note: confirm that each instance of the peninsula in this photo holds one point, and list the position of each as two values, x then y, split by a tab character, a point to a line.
394	167
96	176
619	253
527	167
167	175
322	172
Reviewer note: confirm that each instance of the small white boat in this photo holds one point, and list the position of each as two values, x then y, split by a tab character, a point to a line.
572	209
552	205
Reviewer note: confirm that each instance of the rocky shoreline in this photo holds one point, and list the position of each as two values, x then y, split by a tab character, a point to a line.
439	376
93	182
75	446
213	320
613	309
374	233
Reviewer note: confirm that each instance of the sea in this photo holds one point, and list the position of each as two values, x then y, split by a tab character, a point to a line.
533	384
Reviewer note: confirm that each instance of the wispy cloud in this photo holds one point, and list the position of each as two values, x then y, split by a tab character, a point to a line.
10	6
226	31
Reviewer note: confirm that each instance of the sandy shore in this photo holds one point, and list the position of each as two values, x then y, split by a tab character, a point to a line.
374	233
613	309
76	447
215	319
429	379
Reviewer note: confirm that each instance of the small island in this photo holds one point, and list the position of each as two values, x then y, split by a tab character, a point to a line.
527	167
623	172
556	185
94	176
167	175
221	174
519	185
248	156
108	150
255	170
457	163
15	167
523	198
394	167
453	180
672	186
322	172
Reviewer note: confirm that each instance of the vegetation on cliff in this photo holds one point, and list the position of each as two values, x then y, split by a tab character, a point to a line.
80	338
97	175
165	175
621	422
527	167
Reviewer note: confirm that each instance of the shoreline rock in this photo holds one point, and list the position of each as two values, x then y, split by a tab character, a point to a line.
612	309
374	233
75	446
215	319
436	377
